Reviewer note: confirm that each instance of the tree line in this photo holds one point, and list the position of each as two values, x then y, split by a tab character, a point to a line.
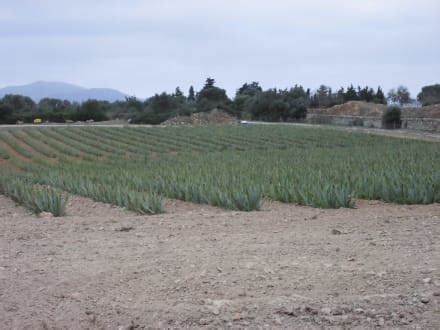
250	102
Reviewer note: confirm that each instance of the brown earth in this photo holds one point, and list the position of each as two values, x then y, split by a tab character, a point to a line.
202	118
353	108
430	111
198	266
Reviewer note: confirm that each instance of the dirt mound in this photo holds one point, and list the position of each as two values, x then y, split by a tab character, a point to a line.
430	111
353	108
202	118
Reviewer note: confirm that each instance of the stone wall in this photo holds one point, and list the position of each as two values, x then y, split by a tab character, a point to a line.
420	124
372	122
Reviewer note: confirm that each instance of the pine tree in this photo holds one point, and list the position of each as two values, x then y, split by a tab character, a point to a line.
191	94
210	82
380	96
178	92
351	94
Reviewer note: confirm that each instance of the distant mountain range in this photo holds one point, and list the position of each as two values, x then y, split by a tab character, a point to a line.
64	91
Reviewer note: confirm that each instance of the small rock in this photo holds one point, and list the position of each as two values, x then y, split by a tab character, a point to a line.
46	215
309	310
359	310
326	310
427	280
214	310
337	312
204	321
126	327
124	229
336	232
424	300
381	321
290	311
76	295
242	293
351	259
436	294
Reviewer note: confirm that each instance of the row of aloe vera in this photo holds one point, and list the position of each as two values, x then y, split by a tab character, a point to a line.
36	198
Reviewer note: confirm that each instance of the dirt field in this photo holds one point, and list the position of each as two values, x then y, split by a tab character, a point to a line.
198	266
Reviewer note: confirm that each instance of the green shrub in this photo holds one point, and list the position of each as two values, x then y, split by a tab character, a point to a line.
391	118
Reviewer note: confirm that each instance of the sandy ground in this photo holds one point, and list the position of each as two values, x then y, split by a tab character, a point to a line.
197	266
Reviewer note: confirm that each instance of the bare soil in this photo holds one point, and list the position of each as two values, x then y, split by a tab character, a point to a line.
198	266
202	118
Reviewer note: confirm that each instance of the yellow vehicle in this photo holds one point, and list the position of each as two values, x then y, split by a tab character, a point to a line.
37	121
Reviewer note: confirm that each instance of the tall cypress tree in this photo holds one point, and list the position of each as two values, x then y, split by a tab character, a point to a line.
191	94
380	96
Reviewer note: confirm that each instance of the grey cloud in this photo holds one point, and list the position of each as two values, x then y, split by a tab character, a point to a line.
143	47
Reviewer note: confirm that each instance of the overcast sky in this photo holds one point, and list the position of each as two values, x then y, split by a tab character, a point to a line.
144	47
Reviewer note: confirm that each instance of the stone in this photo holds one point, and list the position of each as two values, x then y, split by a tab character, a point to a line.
204	321
326	310
337	312
424	300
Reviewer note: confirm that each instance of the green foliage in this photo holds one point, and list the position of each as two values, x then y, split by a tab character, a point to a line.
7	138
324	96
121	195
35	198
4	154
233	167
276	105
191	94
399	96
391	117
211	97
91	110
430	95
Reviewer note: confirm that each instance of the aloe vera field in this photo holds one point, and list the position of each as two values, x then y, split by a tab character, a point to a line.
232	167
218	226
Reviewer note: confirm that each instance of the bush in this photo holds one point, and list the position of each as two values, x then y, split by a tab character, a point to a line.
391	118
430	95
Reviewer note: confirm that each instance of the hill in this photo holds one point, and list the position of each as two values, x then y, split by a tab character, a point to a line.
60	90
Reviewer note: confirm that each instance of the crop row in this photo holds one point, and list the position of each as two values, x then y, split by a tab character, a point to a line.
35	198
